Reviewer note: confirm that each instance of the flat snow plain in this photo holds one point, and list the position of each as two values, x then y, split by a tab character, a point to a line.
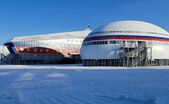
76	84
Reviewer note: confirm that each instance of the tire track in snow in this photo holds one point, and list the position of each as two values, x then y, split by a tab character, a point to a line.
10	96
58	97
124	100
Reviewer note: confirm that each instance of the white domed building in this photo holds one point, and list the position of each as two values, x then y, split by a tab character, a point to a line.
126	43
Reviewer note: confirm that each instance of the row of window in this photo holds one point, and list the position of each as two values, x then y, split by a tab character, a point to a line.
34	50
37	44
41	50
105	32
100	42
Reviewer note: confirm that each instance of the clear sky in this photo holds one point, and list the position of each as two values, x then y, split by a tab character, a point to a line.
27	17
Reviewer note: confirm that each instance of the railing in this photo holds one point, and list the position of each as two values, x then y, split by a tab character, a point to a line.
135	62
131	53
2	57
141	47
130	44
134	53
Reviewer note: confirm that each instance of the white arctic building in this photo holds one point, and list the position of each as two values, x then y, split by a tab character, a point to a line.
46	48
126	43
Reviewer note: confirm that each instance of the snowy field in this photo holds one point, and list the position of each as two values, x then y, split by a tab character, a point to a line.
76	84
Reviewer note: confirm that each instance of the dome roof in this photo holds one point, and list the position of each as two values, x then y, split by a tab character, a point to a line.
139	26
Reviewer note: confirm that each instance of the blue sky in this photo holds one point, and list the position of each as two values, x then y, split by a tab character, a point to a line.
26	17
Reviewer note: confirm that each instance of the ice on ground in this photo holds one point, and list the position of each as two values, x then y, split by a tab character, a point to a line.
76	84
4	73
56	75
26	76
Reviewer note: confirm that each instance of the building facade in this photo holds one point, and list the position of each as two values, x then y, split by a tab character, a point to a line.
126	43
45	49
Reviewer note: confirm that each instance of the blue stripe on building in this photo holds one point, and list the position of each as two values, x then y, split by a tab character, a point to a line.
126	36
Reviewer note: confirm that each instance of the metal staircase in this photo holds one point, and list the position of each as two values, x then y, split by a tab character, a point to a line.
3	58
134	53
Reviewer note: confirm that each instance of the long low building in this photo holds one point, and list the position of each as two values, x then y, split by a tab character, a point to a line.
46	48
126	43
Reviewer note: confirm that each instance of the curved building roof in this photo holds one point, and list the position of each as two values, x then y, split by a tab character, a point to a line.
129	28
50	36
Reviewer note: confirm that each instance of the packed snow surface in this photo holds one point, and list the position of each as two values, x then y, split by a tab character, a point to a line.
76	84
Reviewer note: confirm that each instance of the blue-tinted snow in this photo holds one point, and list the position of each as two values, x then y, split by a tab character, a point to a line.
83	85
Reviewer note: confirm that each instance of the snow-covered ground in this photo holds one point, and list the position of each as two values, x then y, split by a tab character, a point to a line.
75	84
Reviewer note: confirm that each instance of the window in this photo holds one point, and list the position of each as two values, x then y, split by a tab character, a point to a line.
95	43
28	49
112	42
118	42
41	50
47	50
35	50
